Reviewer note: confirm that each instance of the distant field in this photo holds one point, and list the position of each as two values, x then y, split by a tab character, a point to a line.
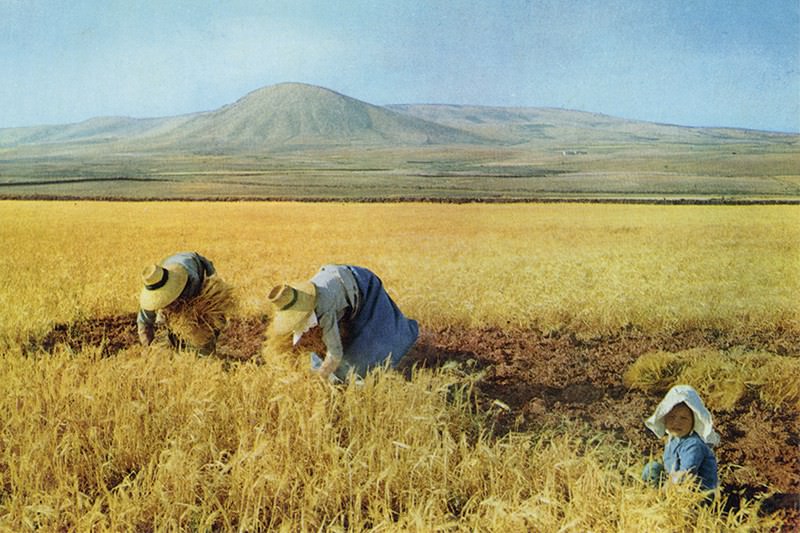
739	171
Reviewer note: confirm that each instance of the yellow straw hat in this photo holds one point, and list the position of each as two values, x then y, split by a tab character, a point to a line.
162	285
293	303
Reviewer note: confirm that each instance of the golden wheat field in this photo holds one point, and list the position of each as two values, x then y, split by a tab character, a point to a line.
161	440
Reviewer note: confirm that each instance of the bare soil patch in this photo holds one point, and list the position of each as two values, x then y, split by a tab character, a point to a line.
241	340
544	379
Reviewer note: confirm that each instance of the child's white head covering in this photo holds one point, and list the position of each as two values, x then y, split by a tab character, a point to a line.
703	425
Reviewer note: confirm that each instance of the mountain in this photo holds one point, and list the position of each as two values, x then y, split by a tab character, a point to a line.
521	125
92	131
297	116
278	116
304	115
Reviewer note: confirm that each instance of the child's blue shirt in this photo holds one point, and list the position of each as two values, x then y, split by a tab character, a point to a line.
692	455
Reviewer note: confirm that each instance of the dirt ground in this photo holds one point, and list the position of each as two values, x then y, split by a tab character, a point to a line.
546	378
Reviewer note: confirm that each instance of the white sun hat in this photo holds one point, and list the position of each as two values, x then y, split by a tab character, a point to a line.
703	424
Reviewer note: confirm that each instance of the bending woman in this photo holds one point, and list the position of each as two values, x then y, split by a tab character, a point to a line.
359	324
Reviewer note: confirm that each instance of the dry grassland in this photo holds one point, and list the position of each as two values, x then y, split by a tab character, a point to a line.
590	269
154	440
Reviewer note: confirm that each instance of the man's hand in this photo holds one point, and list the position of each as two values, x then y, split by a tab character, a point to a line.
146	335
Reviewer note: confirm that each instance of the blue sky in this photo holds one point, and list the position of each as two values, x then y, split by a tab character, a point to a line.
691	62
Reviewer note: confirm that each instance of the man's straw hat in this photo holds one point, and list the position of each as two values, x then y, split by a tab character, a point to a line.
162	285
293	303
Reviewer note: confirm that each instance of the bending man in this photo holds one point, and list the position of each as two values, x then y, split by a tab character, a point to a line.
184	292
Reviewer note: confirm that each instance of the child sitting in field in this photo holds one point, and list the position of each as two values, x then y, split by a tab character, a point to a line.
683	417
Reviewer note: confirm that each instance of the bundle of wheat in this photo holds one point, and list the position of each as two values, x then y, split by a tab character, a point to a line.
199	320
779	384
656	371
720	378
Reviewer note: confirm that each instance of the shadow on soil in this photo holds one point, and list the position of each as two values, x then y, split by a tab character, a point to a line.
546	378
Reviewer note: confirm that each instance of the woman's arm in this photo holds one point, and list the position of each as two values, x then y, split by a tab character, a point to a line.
334	351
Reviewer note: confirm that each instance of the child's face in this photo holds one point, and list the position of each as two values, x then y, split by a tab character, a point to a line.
679	421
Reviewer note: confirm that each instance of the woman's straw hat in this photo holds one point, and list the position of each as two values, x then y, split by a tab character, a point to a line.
162	285
293	303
